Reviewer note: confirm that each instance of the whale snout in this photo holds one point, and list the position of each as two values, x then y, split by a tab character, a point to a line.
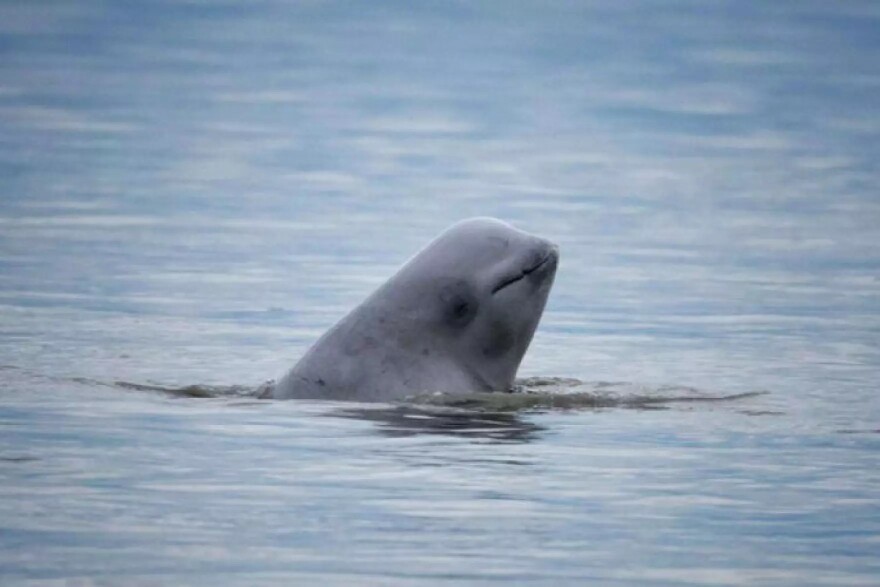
537	266
551	251
548	255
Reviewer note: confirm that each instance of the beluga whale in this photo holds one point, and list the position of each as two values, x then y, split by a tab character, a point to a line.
456	318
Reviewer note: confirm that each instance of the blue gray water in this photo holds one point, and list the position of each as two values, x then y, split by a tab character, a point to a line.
190	193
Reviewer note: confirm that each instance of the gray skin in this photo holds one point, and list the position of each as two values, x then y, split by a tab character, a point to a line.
456	318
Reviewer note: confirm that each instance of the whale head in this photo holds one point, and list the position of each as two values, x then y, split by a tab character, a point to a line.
481	290
456	318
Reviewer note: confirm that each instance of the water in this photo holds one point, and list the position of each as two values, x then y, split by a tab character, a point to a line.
191	193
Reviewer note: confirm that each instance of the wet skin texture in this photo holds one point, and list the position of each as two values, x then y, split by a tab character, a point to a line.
457	318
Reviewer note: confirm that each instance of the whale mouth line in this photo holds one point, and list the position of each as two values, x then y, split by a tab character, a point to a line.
521	275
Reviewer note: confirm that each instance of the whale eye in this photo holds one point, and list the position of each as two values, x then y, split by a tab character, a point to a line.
460	310
459	305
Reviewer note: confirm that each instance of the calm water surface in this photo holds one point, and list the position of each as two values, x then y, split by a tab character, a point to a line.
192	192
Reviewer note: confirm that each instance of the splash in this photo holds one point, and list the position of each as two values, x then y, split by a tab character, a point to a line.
527	394
549	393
533	393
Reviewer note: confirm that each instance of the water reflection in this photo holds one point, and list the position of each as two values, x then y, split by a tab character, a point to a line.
403	421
